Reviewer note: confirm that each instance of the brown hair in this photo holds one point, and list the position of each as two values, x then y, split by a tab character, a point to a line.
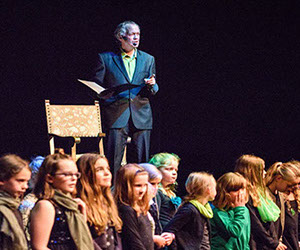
123	192
102	210
225	184
251	168
43	189
11	165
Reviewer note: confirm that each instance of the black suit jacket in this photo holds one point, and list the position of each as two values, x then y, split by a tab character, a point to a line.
124	98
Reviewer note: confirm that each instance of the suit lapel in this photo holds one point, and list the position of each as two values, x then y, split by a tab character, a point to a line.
119	62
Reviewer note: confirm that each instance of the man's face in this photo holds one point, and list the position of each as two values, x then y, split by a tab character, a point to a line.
132	38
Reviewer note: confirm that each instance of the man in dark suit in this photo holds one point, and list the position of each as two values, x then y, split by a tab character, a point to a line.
129	78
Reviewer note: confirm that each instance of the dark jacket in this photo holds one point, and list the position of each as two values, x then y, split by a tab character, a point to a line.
124	98
136	232
263	235
166	208
188	227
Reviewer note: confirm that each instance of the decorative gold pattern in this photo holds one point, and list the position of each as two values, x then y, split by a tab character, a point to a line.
73	120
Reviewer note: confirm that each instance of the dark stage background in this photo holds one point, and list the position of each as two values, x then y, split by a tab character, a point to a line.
227	71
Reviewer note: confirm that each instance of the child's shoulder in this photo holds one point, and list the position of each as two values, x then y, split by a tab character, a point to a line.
44	205
125	209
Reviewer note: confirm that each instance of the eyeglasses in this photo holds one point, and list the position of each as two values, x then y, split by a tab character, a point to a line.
69	175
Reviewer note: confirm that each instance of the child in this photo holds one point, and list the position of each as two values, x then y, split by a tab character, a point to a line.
280	179
292	207
263	211
131	194
155	177
57	220
30	199
168	202
230	225
94	189
14	176
191	224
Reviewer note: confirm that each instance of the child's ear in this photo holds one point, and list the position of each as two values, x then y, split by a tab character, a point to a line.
49	178
1	183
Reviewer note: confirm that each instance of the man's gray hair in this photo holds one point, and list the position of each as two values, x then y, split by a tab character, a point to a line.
122	29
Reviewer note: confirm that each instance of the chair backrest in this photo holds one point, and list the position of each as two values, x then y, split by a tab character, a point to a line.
73	121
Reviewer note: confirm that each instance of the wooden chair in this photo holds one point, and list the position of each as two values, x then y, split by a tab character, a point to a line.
76	121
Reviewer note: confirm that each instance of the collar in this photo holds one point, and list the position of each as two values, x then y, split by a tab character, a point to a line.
123	54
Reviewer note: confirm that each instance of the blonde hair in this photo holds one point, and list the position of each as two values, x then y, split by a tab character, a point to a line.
196	185
287	170
251	168
295	191
225	184
102	210
43	189
123	191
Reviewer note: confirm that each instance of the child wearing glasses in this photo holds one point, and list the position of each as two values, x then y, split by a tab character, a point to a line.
102	213
14	176
58	221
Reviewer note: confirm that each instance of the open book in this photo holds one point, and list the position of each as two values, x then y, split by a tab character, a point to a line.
94	86
107	93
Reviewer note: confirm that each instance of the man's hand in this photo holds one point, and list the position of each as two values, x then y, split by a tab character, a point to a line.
150	81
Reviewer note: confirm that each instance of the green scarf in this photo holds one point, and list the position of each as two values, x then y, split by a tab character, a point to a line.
77	225
205	210
268	210
10	225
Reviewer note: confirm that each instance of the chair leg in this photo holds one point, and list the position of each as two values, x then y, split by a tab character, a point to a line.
101	149
51	144
73	151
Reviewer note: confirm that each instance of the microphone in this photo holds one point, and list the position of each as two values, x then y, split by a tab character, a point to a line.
134	44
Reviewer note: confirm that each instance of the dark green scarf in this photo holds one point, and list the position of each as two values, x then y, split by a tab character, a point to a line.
77	225
10	225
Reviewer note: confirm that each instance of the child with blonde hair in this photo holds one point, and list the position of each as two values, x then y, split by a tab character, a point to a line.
292	208
191	225
58	221
102	213
168	202
14	176
133	198
280	179
230	225
263	211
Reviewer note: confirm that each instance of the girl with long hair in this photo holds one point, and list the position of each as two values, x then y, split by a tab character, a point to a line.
132	196
94	189
280	180
58	221
263	211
